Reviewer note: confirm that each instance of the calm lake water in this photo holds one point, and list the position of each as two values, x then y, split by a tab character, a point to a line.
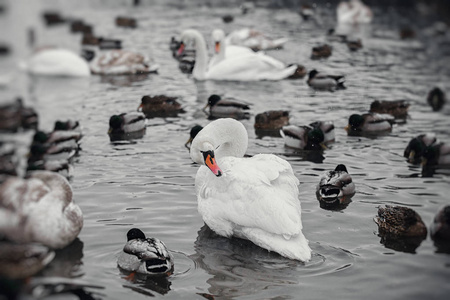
149	183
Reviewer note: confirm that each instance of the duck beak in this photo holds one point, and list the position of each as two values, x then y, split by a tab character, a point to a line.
424	162
324	147
347	128
210	162
217	48
206	106
139	107
181	49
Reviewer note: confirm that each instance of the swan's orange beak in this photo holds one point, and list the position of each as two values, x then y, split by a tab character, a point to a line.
210	162
181	49
217	47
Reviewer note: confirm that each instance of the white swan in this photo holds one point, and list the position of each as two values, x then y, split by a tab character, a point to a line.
223	51
39	209
253	39
354	12
58	62
252	198
245	68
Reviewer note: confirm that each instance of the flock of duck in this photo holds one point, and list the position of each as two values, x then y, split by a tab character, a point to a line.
254	198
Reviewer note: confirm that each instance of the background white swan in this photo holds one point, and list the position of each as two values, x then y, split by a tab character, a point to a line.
353	11
58	62
252	198
222	50
243	68
253	39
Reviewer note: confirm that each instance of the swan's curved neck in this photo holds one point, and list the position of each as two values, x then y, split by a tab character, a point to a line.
226	137
201	57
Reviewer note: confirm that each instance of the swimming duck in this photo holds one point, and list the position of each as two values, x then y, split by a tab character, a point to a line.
321	51
436	99
192	134
21	261
416	147
121	62
353	44
67	125
160	106
39	209
90	42
243	68
58	62
321	81
46	152
400	221
335	187
222	108
145	255
126	22
437	154
254	40
327	128
236	194
306	11
397	108
303	137
440	228
127	124
271	119
57	136
223	51
354	12
369	123
15	115
80	26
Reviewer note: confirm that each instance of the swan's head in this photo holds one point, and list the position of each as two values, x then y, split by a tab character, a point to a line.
188	37
220	138
218	37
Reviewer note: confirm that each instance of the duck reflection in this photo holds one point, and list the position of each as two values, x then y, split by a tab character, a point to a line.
235	261
147	284
67	261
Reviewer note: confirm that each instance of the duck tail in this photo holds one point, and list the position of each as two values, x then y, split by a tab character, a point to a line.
340	82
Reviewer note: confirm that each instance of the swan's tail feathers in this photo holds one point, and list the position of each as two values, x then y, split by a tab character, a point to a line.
294	247
279	42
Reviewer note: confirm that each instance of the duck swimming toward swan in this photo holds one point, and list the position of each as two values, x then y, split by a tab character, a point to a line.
335	186
243	68
252	198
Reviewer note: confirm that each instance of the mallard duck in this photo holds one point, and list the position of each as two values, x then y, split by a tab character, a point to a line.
300	72
322	51
437	154
271	120
416	147
400	221
303	137
160	106
306	11
126	123
334	36
227	18
100	42
20	261
126	22
353	44
396	108
235	194
57	136
407	33
39	209
321	81
67	125
327	129
254	40
440	228
436	99
353	12
335	187
53	18
80	26
223	108
58	62
145	255
369	123
15	115
192	134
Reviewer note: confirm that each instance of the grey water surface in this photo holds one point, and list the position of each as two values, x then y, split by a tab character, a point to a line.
149	182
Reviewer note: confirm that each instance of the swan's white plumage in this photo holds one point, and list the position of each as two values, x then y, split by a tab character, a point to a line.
354	12
256	198
226	51
242	68
58	62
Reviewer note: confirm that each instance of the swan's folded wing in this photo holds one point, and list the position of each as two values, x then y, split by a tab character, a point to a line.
263	193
